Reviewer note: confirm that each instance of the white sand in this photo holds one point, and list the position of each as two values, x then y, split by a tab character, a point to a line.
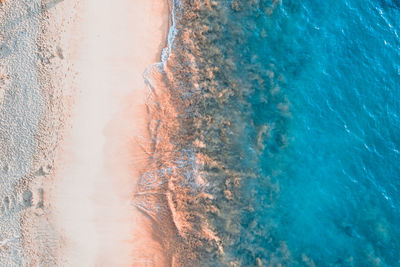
95	176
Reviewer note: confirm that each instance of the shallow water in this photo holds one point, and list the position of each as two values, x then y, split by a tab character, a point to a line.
292	108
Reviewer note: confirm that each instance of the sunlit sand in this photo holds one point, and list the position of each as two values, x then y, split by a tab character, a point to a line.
100	158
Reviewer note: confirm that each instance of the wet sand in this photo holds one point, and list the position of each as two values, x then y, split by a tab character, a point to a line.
101	156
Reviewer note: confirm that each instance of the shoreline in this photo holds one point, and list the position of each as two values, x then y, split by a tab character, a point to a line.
97	171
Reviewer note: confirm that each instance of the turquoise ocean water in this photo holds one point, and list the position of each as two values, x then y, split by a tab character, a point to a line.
339	193
339	197
339	172
304	121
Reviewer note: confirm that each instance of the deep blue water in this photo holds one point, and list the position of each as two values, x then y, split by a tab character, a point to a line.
339	174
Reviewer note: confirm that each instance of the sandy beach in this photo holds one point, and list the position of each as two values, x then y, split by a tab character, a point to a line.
72	123
199	133
100	158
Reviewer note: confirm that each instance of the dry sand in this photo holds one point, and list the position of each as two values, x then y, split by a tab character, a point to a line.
29	129
100	158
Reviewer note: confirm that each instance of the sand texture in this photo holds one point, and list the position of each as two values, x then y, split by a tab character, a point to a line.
73	124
